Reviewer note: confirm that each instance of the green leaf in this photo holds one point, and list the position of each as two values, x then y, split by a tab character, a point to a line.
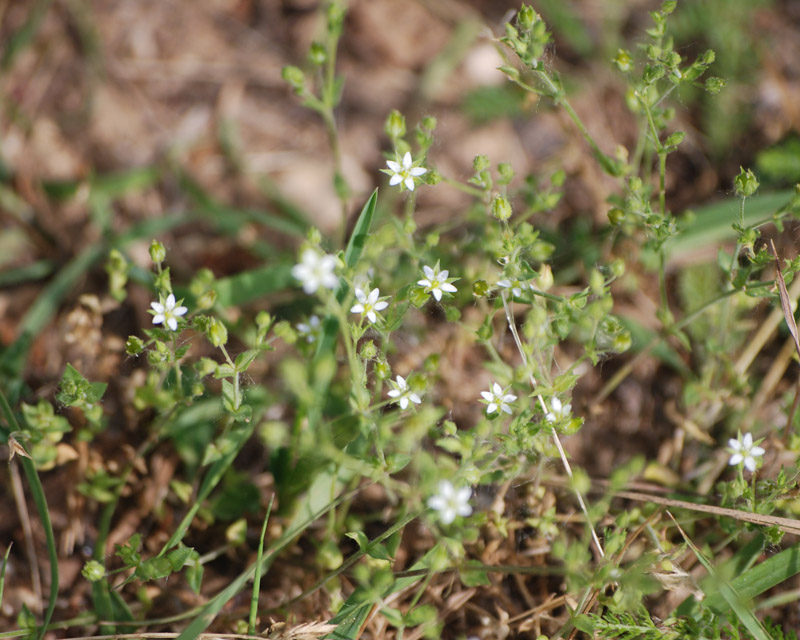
178	557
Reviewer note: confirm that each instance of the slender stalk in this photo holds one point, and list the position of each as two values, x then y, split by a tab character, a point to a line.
565	461
251	627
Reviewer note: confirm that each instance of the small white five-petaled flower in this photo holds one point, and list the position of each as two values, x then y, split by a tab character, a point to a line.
516	286
405	172
451	502
402	394
167	313
744	451
557	410
310	330
498	399
316	270
368	305
435	282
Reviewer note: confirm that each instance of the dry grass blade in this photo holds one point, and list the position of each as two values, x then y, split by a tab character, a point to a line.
787	525
786	301
306	631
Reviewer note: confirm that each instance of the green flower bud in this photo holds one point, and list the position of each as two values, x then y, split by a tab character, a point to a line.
207	300
623	60
745	184
506	172
217	333
501	208
526	17
368	350
545	279
395	126
314	236
157	252
382	371
429	123
134	346
617	268
714	85
317	54
263	319
93	571
675	139
616	216
480	163
432	239
295	78
480	288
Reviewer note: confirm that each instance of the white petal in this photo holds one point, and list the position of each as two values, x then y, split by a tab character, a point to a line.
736	458
734	444
555	404
446	489
487	395
394	393
436	502
394	166
418	171
172	323
401	382
395	179
380	306
446	286
750	464
437	293
442	275
430	274
757	451
447	515
497	390
171	303
357	308
414	398
158	318
492	408
464	494
409	182
157	306
509	397
747	440
407	160
179	311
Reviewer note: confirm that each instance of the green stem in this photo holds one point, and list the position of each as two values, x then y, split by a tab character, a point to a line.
251	627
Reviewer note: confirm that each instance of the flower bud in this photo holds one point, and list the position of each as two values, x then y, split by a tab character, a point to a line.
295	78
623	60
395	126
480	163
157	252
217	333
93	571
745	184
501	208
134	346
317	54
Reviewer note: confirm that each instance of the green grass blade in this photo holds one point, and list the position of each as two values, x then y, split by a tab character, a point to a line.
209	611
23	36
251	285
712	223
237	438
34	271
3	573
358	239
352	254
39	499
251	626
729	593
234	218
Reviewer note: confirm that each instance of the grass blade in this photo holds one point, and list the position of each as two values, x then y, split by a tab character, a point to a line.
727	591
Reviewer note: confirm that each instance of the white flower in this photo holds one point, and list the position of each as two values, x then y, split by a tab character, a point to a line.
316	270
557	410
498	399
450	502
436	281
369	304
405	172
402	393
515	285
167	313
311	329
743	450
